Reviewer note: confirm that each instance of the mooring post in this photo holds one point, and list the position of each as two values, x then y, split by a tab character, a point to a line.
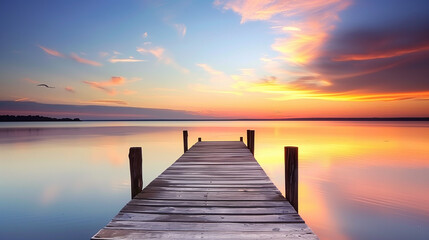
185	140
252	142
241	139
291	176
248	138
135	157
199	139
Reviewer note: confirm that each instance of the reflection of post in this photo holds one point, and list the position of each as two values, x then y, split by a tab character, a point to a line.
241	139
248	138
291	176
135	157
252	142
199	139
185	140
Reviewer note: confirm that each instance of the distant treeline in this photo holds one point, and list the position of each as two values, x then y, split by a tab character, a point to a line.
30	118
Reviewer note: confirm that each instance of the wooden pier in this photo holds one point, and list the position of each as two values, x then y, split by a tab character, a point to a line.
215	190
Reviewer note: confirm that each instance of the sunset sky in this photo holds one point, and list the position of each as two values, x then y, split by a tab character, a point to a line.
233	59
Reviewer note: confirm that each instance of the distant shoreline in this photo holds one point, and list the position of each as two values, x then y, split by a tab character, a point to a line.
37	118
269	119
34	118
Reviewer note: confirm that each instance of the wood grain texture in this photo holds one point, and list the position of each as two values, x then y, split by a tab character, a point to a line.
135	157
215	190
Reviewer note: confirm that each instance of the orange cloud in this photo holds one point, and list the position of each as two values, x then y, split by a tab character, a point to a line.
75	57
117	80
114	81
22	99
103	101
51	51
291	91
378	55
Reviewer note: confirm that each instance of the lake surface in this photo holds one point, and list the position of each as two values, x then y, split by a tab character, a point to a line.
357	180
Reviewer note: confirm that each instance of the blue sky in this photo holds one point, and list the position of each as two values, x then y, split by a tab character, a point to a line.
222	58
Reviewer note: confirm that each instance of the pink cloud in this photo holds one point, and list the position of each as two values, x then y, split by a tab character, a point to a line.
70	89
125	60
75	57
159	53
51	51
101	87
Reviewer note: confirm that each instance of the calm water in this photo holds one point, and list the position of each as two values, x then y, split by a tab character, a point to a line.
358	180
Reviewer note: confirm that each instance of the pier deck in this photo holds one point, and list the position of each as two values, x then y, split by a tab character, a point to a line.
216	190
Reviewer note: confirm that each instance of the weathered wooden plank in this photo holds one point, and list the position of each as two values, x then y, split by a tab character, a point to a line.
208	227
208	210
105	234
212	196
210	189
208	181
162	184
271	218
213	177
202	203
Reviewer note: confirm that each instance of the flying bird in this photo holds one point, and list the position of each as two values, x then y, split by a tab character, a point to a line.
44	85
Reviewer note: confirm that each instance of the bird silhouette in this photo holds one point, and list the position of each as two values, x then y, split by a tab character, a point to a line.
44	85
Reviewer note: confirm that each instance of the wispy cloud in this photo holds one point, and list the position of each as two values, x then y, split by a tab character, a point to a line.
160	54
22	99
125	60
29	80
180	28
70	89
78	59
209	69
103	54
101	87
144	35
109	101
51	51
106	86
72	56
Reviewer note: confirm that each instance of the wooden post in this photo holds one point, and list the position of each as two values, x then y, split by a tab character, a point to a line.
241	139
135	157
291	176
248	138
199	139
252	142
185	140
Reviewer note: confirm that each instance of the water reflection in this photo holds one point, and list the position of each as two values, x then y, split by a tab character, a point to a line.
358	180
